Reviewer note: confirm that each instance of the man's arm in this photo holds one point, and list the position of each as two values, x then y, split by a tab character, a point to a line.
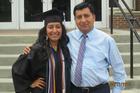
119	74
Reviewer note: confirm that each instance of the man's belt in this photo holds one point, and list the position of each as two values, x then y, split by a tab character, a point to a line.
88	89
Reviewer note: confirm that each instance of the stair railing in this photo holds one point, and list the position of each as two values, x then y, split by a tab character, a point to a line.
131	20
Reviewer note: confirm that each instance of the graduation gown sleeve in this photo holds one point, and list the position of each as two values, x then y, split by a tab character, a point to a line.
20	75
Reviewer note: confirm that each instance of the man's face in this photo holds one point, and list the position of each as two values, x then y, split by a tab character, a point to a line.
84	20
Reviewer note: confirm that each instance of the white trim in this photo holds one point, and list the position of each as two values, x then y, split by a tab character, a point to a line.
14	22
27	25
103	22
128	2
107	14
47	4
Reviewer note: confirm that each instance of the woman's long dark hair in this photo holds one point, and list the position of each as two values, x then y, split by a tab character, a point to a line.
43	41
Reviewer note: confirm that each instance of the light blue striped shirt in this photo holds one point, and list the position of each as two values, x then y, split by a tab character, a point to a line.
101	51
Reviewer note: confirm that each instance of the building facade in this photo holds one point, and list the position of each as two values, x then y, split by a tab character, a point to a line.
118	19
19	14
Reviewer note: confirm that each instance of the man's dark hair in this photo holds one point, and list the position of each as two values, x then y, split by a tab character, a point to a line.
82	6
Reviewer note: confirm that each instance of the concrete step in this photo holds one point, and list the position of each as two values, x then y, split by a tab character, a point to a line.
5	71
126	57
125	47
136	69
12	48
9	59
29	38
18	48
123	38
6	85
17	39
124	91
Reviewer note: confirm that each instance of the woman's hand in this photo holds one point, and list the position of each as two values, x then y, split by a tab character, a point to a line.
38	83
26	50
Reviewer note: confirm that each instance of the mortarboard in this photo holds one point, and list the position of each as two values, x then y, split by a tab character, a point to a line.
53	15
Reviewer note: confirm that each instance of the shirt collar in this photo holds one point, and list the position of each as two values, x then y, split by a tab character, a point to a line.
79	34
89	34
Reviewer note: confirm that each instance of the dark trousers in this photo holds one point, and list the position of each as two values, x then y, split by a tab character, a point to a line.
102	88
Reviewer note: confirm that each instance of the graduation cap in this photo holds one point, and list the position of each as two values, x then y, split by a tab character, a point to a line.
53	15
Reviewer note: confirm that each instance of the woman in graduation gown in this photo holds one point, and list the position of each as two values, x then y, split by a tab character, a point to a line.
48	70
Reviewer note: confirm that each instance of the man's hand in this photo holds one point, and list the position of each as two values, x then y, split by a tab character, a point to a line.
39	83
27	50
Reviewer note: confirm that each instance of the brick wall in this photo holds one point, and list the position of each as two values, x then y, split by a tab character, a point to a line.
118	19
120	22
137	5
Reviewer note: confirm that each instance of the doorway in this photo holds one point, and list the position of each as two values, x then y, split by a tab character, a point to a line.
18	14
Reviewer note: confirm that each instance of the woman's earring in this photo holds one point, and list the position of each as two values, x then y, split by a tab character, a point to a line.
46	38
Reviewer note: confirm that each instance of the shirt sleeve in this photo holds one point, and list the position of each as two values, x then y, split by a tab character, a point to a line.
117	89
117	65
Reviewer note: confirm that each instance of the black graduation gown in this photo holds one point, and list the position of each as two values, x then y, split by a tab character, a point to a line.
38	67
